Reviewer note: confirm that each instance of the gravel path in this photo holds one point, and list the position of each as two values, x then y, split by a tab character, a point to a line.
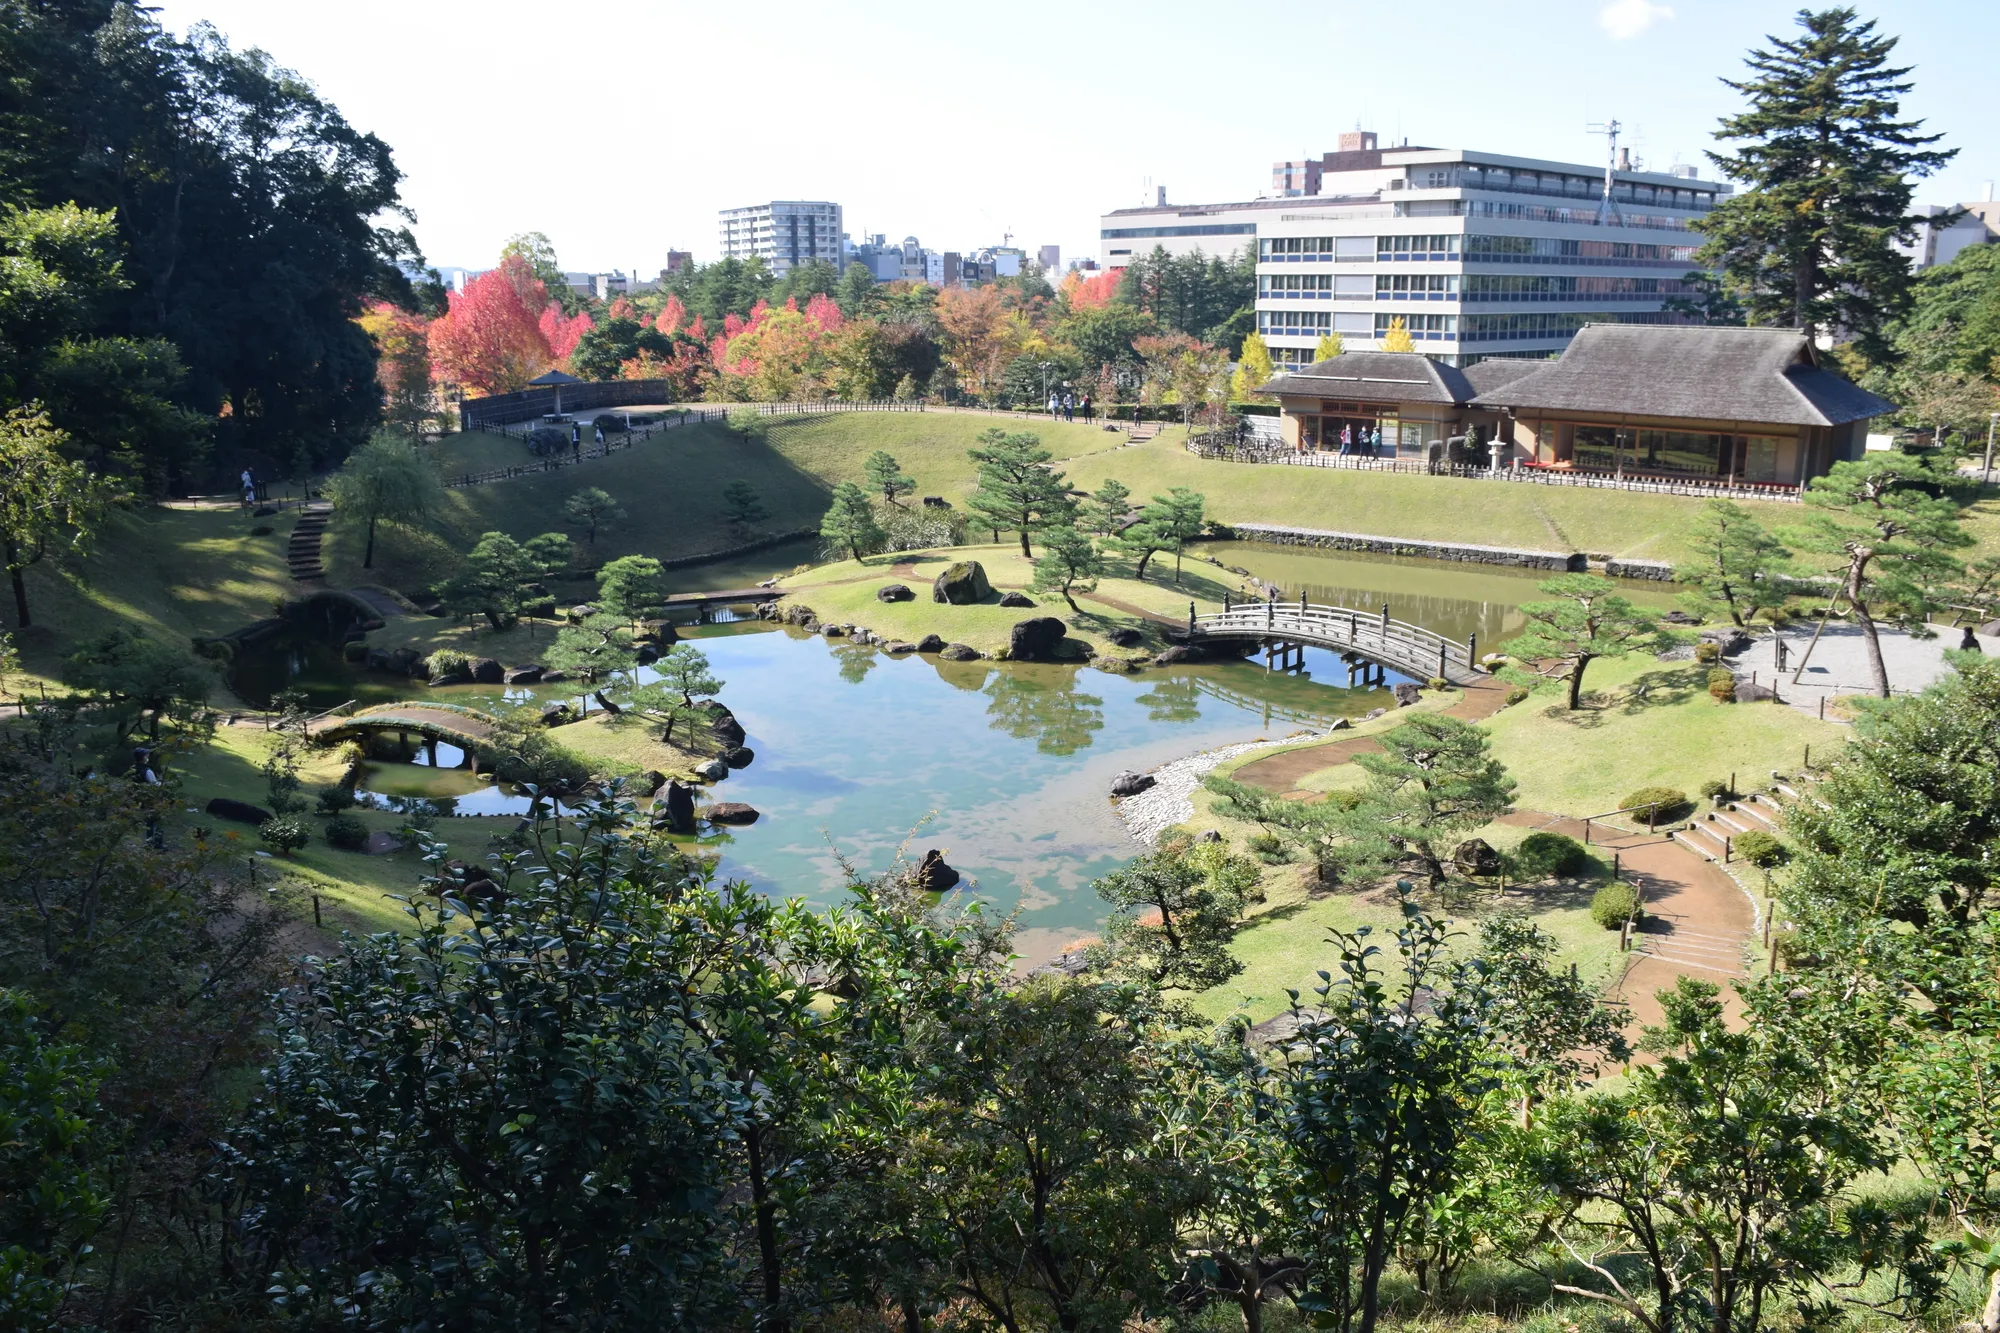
1167	802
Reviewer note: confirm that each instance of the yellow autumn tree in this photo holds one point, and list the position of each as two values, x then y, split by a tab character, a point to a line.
1397	339
1253	369
1329	347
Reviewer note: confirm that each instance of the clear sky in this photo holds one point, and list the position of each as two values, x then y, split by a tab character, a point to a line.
619	127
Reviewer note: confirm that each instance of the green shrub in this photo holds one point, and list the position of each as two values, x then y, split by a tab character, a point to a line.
1269	848
1437	683
542	607
333	800
1657	805
1715	789
1722	685
287	833
1615	903
1707	652
347	833
446	661
1543	854
1759	848
746	421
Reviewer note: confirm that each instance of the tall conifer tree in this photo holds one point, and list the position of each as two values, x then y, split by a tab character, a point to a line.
1829	163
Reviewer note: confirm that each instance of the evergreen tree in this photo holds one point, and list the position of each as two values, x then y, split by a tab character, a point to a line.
683	680
1737	565
885	475
1070	562
499	576
850	524
1174	912
631	586
1106	510
1891	540
1017	491
1434	778
48	501
1586	620
1168	523
741	504
1830	167
591	509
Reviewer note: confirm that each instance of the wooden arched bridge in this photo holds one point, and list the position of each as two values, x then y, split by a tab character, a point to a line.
1365	638
467	728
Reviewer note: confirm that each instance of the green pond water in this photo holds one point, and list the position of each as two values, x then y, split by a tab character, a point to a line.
1005	767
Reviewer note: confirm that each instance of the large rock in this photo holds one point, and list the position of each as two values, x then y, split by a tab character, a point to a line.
1407	694
223	807
1125	638
738	756
933	875
554	677
731	812
405	661
380	659
958	652
1035	639
556	715
1177	654
899	646
895	592
727	730
356	650
648	653
486	671
1730	640
1129	783
1475	856
453	678
523	675
676	808
713	770
961	584
1017	599
930	643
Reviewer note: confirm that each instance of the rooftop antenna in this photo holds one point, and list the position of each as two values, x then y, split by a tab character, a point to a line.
1607	211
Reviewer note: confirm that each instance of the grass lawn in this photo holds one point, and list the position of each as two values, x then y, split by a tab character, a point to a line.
843	593
1676	736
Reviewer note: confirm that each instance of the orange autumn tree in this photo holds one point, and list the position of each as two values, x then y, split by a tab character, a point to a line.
980	335
491	340
402	363
777	354
1092	293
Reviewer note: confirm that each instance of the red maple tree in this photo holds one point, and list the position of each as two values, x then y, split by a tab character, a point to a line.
490	340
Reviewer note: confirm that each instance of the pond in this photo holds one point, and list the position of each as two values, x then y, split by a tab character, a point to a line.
1003	766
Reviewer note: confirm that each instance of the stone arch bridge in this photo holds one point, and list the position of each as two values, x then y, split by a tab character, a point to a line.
467	728
1365	638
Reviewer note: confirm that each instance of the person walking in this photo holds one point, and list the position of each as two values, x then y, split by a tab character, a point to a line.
600	437
249	484
576	441
1088	411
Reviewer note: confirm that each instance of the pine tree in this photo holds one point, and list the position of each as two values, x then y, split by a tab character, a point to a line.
1397	339
850	524
1586	620
1253	368
885	475
1105	511
1018	490
1829	164
1070	563
1737	565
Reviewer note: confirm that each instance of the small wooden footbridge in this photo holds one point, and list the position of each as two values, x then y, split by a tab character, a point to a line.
1366	639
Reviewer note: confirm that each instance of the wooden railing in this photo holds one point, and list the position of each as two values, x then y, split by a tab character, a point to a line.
1410	649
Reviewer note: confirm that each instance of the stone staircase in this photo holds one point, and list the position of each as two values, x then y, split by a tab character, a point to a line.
1142	432
304	551
1711	834
1717	954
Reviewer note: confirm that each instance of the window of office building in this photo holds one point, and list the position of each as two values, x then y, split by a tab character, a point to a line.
1294	321
1280	248
1416	287
1420	327
1302	284
1416	247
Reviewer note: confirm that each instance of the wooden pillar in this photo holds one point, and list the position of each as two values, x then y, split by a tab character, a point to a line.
431	751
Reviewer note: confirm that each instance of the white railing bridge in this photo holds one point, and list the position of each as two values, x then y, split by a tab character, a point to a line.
1365	636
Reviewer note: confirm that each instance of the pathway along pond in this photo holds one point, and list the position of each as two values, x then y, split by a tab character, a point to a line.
1006	767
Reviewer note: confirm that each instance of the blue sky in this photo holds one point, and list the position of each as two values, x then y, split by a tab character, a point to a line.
619	127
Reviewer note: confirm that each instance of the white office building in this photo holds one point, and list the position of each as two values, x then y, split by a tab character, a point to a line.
1481	255
783	233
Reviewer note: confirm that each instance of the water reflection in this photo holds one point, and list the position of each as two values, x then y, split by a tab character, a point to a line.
1177	700
1046	709
856	661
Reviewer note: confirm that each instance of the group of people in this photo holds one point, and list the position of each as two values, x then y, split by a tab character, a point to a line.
1364	442
1064	406
576	438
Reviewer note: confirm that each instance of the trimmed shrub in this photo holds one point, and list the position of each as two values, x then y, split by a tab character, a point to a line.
333	800
446	661
287	833
347	833
1707	652
1614	904
1666	804
1543	854
1715	789
1759	848
1437	683
1722	685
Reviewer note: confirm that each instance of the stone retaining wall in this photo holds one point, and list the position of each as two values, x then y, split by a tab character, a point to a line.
1467	552
1657	570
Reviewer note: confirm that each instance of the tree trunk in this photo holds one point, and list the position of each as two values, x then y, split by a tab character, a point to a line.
368	557
1876	670
767	1234
1989	1318
20	584
1576	683
1026	554
1140	574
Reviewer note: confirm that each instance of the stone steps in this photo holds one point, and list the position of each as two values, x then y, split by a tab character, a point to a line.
303	554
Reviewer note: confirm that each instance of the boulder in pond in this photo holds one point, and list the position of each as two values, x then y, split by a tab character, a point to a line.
738	756
899	646
1129	783
933	875
730	812
962	583
223	807
453	678
1407	694
676	808
647	653
958	652
798	613
895	592
1017	599
486	671
379	660
713	770
552	677
1125	638
556	715
930	643
833	631
1475	856
1339	724
1035	639
727	729
405	661
356	650
1175	655
523	675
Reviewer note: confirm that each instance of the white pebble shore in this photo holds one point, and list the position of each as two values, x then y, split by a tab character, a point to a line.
1168	801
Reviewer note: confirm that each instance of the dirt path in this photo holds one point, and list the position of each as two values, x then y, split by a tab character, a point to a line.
1282	773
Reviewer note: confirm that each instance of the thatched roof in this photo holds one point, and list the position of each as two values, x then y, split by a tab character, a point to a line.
1488	375
1694	372
1381	377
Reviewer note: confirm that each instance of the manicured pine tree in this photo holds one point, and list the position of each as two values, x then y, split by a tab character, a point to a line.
850	523
1830	165
885	475
1018	491
741	504
1586	620
591	509
1737	566
1070	563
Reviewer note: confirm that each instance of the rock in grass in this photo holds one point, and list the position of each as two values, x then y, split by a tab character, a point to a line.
895	592
961	584
713	770
1017	599
1407	694
1125	638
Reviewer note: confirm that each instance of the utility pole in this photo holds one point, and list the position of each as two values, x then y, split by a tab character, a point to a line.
1607	209
1987	475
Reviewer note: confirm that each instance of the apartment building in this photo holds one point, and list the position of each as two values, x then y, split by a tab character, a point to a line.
1947	231
1481	255
783	233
